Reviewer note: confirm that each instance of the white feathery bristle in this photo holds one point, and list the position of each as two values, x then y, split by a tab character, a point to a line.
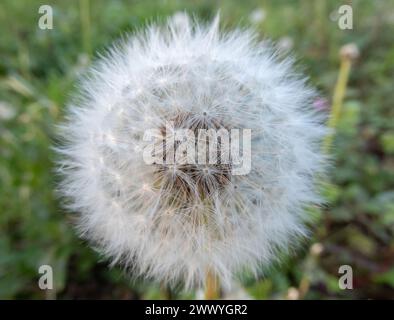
173	223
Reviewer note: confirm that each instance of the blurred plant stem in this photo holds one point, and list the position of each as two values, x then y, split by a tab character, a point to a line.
212	287
84	6
348	53
337	102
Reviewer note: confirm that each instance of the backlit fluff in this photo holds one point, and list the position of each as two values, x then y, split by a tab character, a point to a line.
162	222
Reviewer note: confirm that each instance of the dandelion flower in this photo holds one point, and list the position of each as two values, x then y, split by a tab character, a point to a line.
173	222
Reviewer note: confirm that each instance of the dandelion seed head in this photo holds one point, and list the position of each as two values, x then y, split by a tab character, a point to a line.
173	221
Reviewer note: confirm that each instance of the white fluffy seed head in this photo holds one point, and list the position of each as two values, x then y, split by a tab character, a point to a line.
173	223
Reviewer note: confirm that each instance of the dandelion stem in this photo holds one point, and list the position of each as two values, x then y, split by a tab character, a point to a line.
339	94
348	53
211	286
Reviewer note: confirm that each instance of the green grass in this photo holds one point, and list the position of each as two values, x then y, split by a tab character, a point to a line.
39	68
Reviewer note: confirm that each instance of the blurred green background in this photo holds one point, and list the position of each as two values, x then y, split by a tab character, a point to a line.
38	71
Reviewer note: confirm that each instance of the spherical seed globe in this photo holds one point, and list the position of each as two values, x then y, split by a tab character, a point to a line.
173	222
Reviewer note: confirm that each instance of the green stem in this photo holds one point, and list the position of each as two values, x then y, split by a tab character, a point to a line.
335	112
339	94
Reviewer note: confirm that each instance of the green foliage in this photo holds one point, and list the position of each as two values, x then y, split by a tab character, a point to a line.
38	69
